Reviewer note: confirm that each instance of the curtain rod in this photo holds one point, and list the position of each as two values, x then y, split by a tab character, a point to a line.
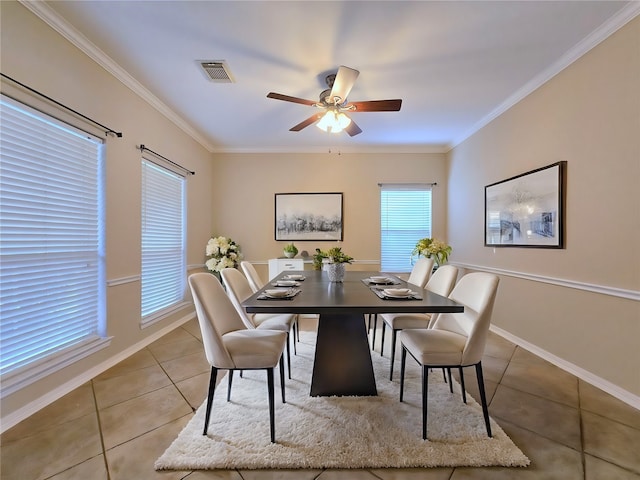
107	129
142	148
433	184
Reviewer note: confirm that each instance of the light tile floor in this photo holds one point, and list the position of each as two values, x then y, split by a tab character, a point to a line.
115	426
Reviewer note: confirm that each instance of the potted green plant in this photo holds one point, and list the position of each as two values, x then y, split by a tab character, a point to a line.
290	250
433	248
336	264
318	259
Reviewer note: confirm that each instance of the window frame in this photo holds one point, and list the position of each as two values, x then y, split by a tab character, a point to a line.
391	261
158	281
29	145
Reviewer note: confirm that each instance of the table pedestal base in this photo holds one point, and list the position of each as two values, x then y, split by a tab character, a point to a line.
342	364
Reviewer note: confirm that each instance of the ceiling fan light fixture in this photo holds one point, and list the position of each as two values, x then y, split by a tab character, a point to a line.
333	122
332	104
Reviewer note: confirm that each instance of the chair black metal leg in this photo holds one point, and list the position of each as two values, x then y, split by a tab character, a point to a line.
212	387
230	374
294	327
450	382
272	414
425	391
289	353
464	391
483	397
403	361
382	338
394	334
282	377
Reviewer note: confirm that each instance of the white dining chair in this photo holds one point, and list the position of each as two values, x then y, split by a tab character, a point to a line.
256	283
419	276
441	282
421	272
252	275
238	290
230	345
456	340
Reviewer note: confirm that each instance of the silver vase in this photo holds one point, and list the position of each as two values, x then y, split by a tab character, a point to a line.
335	271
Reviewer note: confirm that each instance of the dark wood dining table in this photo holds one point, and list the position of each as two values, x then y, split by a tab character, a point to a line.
342	364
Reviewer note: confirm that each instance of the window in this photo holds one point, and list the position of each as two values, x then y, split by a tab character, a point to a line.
405	218
163	251
52	285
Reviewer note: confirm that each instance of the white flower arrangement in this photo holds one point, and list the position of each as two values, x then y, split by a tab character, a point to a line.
432	248
224	253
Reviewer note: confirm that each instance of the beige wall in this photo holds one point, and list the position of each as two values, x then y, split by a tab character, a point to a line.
39	57
246	183
230	195
588	115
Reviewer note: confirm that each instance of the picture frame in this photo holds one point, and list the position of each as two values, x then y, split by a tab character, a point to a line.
308	216
527	210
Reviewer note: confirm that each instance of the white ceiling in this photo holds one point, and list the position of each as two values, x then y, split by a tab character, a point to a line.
455	64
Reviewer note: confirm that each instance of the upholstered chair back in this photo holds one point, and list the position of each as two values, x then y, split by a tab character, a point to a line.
477	292
443	280
251	273
238	290
421	272
216	316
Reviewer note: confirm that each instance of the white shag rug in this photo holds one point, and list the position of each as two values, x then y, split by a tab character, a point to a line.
339	432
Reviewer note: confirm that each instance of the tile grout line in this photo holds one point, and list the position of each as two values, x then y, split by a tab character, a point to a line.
581	423
504	372
537	395
104	451
542	435
193	409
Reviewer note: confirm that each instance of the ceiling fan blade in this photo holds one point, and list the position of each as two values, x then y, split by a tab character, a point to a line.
312	119
287	98
377	105
352	129
342	85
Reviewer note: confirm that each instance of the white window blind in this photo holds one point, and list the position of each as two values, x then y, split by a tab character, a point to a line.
405	218
52	286
163	252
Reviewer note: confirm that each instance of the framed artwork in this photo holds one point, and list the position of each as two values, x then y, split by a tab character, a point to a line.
308	216
527	210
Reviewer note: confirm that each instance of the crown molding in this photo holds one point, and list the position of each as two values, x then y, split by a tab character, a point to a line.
60	25
397	149
616	22
68	31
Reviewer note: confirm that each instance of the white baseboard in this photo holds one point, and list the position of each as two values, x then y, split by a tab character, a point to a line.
38	404
604	385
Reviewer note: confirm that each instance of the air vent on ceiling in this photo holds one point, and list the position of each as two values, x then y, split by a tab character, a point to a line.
217	71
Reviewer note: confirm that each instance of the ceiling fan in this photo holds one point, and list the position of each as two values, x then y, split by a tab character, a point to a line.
333	104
